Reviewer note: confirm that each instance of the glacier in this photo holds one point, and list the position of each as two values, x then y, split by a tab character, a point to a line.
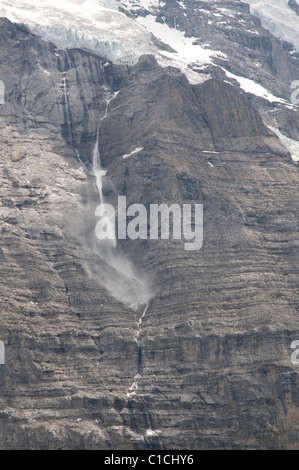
99	25
278	18
93	24
103	27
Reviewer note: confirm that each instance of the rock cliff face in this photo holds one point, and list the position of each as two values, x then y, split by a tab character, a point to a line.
205	362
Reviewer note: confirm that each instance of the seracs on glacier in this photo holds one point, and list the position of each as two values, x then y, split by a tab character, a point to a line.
278	18
93	24
101	26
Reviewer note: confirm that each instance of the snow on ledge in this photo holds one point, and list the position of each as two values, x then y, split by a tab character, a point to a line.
249	86
137	150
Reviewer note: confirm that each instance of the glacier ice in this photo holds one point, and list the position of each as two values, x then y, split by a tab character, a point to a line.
278	18
92	24
99	25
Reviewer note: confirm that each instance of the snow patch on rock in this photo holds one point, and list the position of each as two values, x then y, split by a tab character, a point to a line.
137	150
249	86
291	145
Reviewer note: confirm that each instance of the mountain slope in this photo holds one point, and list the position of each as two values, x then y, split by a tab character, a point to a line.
205	364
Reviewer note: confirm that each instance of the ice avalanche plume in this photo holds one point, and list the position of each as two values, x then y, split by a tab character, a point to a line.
120	276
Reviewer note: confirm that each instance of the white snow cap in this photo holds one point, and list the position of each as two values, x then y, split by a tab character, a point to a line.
99	25
94	24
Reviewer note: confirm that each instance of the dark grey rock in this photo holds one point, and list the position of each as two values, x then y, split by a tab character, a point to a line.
213	349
